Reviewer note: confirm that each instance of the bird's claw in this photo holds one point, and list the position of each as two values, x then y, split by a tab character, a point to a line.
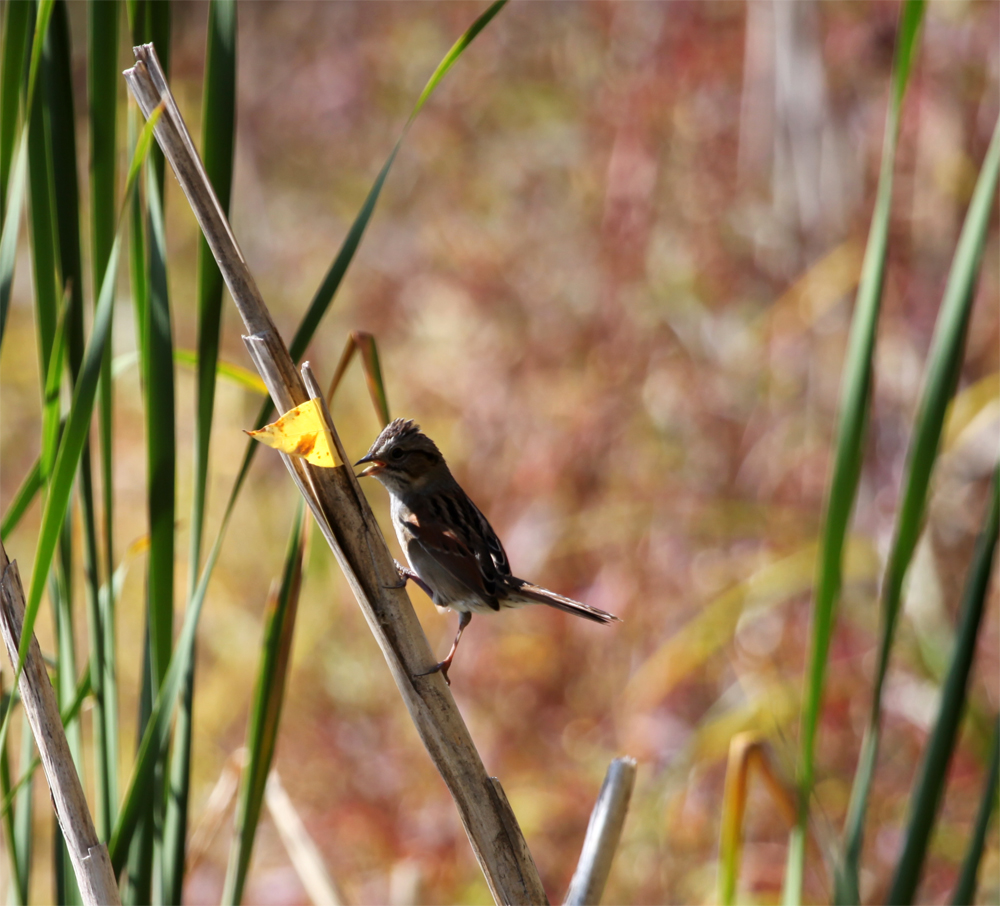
401	575
441	668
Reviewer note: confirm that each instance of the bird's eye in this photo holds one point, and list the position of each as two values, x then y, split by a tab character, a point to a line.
396	455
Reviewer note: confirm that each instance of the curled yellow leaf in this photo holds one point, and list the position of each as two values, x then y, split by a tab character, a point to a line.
301	431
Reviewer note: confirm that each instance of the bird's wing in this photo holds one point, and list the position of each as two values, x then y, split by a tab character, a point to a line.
497	554
457	551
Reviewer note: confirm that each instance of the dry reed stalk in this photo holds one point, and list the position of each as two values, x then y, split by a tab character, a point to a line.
88	855
347	523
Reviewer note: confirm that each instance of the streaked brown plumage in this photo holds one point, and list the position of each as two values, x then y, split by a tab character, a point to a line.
453	552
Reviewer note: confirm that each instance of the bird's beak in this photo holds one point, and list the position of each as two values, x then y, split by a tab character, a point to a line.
376	466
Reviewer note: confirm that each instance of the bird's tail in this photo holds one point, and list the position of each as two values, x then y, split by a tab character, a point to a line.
535	594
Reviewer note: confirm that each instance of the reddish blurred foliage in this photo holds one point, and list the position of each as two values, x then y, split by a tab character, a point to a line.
584	276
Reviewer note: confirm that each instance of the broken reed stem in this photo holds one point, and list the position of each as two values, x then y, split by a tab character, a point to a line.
347	523
603	833
89	856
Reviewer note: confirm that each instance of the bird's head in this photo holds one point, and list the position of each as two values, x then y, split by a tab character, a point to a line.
403	458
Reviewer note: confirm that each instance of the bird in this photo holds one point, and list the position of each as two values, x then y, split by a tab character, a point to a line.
453	553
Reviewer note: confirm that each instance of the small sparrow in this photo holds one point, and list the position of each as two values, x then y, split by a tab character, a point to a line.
454	554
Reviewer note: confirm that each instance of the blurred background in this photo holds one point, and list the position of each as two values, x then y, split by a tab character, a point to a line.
611	274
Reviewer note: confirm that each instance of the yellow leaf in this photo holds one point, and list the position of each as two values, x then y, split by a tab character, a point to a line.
301	431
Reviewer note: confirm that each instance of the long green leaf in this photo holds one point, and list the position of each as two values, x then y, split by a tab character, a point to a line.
934	768
11	224
24	807
157	730
219	131
12	212
137	890
150	21
157	362
73	439
335	274
965	889
44	238
944	363
56	93
51	422
849	448
265	711
16	31
102	86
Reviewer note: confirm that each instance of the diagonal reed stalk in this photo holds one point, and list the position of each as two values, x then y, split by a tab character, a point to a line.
346	521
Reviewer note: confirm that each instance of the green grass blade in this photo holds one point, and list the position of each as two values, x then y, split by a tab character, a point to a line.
24	809
13	53
331	282
335	274
73	439
57	92
849	445
157	369
157	364
965	889
328	288
944	362
219	137
157	731
60	121
934	769
150	21
363	342
56	95
236	374
102	85
22	499
265	712
140	855
11	225
43	15
51	422
219	131
44	242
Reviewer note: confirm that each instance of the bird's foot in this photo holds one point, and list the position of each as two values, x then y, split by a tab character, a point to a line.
405	573
441	668
401	576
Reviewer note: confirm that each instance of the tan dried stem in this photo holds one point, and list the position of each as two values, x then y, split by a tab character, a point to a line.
88	855
347	523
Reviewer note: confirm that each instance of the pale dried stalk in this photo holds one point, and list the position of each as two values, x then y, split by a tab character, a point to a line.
347	523
301	849
603	834
89	856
